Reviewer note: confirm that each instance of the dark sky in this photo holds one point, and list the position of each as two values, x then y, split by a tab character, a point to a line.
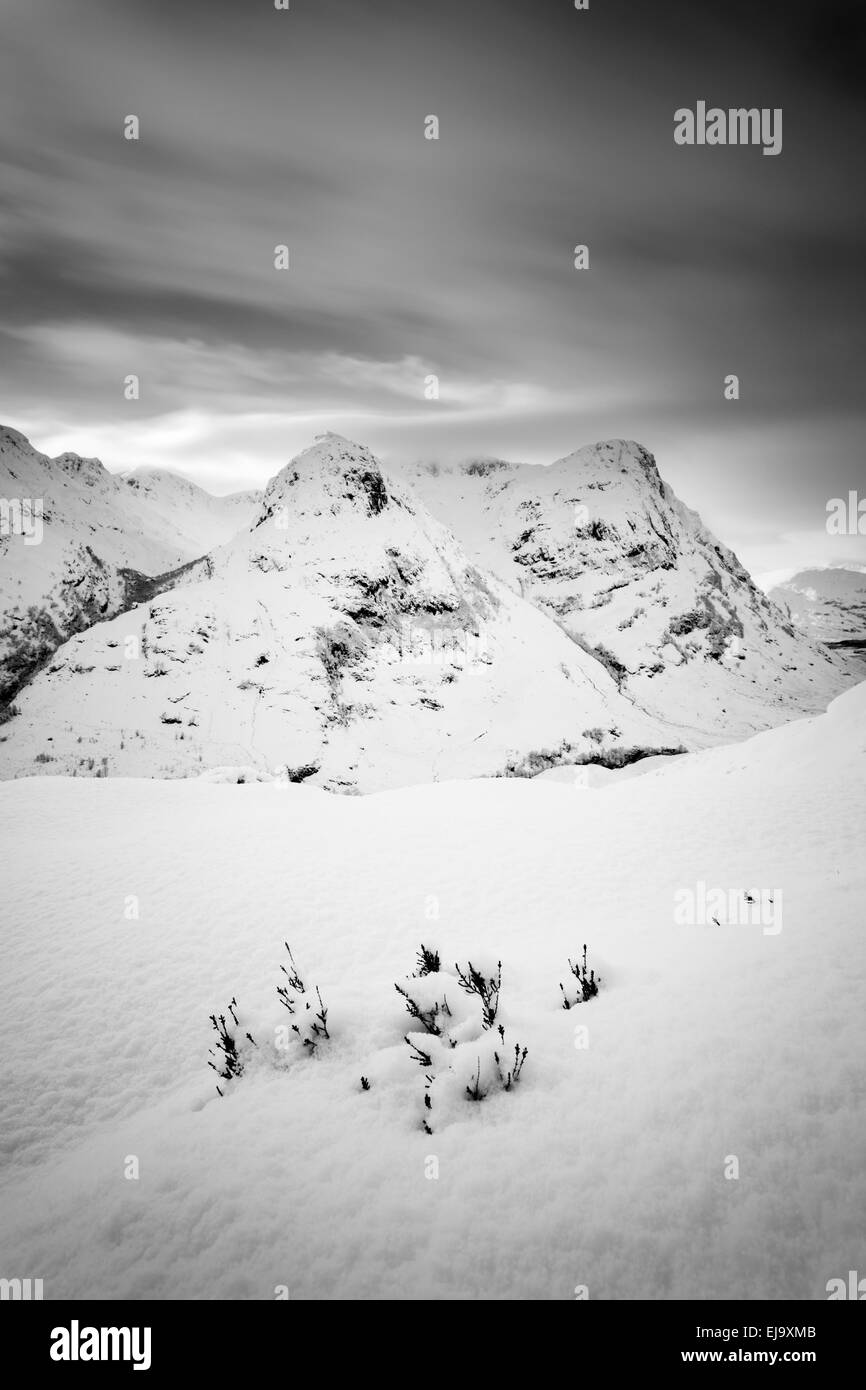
412	257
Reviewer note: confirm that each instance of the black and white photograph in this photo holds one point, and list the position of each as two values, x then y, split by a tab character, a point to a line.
433	659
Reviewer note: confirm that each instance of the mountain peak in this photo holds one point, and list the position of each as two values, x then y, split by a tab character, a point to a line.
333	475
612	457
90	469
152	478
334	436
13	441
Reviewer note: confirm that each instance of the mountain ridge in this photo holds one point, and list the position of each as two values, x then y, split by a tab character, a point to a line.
367	629
103	534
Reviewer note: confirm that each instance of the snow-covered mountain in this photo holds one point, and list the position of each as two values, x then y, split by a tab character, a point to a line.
99	534
371	628
345	638
603	546
830	604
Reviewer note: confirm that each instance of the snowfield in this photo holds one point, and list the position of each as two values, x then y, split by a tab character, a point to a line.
605	1166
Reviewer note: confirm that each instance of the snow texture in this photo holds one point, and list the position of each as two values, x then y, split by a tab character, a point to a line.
605	1166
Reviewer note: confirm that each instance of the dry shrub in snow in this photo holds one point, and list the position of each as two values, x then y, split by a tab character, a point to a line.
311	1028
473	982
229	1053
428	961
317	1023
449	1045
506	1074
427	1016
587	984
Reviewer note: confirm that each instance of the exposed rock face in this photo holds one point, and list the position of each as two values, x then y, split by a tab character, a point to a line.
603	545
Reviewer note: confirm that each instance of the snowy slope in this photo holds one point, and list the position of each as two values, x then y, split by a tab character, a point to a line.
195	520
602	544
828	603
100	533
345	637
604	1168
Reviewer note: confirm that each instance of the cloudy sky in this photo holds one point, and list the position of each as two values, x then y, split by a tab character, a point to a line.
453	257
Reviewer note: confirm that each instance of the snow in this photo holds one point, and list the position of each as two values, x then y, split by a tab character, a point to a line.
604	1166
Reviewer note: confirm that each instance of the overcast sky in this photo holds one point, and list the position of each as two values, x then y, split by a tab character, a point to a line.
453	257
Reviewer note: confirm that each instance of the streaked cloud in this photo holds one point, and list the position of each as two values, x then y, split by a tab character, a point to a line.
452	258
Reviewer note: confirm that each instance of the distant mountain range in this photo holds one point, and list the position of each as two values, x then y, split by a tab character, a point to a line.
830	604
365	628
